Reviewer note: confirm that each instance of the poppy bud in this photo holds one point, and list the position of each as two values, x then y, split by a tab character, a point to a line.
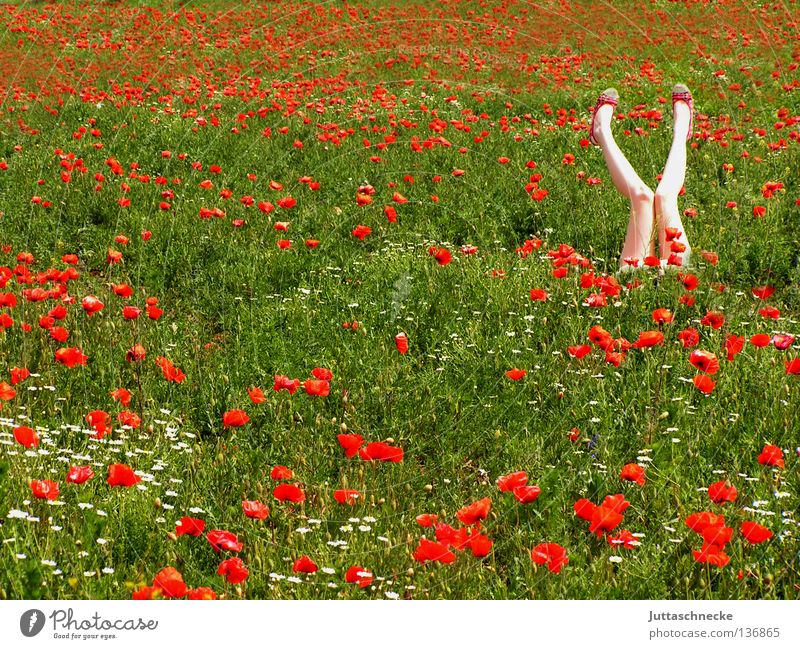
401	342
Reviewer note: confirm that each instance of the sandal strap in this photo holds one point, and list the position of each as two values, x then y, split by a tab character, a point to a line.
605	99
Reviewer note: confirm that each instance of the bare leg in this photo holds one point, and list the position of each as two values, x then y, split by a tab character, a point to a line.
672	241
639	236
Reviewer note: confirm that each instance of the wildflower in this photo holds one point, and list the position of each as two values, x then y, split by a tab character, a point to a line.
550	554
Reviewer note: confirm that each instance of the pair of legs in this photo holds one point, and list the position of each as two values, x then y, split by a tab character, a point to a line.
653	214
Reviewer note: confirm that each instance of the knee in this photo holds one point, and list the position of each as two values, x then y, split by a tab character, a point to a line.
664	200
642	194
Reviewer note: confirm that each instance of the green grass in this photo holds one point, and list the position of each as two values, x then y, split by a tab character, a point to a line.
238	310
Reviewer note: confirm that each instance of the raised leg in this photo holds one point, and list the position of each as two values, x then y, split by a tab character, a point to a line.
673	244
639	241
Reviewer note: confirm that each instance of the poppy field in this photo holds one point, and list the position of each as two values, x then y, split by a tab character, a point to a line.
321	300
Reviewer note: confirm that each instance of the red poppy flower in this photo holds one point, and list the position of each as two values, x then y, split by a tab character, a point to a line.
19	374
121	475
722	491
131	312
689	337
146	593
71	356
475	512
305	564
170	582
792	366
704	383
515	374
130	419
633	473
713	319
234	570
616	502
733	345
442	256
623	538
433	551
350	442
762	292
771	456
255	509
662	316
59	334
711	257
712	555
704	361
526	494
689	281
359	576
584	508
699	521
79	474
550	554
401	342
92	305
322	373
256	395
361	231
780	341
456	538
770	312
539	294
45	489
136	353
648	339
382	452
579	351
760	340
508	482
479	544
427	520
224	540
100	421
718	535
600	337
26	436
169	371
201	593
346	496
317	388
190	526
281	473
285	383
234	418
289	492
604	519
755	533
122	395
